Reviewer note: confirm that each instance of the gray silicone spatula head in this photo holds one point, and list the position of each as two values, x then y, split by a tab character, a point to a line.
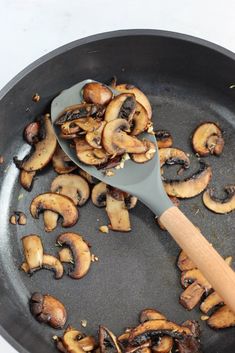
142	180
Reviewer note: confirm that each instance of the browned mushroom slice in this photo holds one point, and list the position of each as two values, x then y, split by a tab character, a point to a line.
207	139
98	194
75	342
61	162
139	95
171	156
88	124
191	186
218	205
188	344
94	137
108	341
164	138
147	156
97	93
80	251
73	186
117	211
213	299
47	309
115	139
194	275
91	180
151	314
164	345
65	255
50	220
184	262
78	111
60	204
152	329
33	251
26	179
52	263
88	155
222	318
121	107
192	295
43	150
31	132
140	120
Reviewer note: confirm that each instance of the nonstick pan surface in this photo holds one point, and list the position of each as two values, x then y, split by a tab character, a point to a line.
188	81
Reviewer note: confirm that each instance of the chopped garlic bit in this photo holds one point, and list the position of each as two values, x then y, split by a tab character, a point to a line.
109	173
125	158
84	323
104	229
204	317
150	129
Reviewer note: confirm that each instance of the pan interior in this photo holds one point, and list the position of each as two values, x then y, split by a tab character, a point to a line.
137	269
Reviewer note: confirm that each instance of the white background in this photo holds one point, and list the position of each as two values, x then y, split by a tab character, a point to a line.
32	28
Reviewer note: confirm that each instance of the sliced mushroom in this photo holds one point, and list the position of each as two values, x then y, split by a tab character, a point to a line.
60	204
207	139
50	262
108	341
196	285
65	255
139	95
146	156
61	162
176	203
117	211
151	314
87	154
218	205
171	156
87	124
43	152
164	138
140	120
213	299
192	295
115	139
121	107
33	251
152	329
31	132
91	180
94	138
80	251
47	309
50	220
222	318
98	194
78	111
18	218
97	93
188	344
191	186
26	179
73	186
184	262
130	201
75	342
164	345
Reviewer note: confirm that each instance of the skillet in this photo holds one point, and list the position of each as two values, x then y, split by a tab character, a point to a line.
188	81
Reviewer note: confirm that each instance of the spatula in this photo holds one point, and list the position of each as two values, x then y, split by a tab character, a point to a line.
144	181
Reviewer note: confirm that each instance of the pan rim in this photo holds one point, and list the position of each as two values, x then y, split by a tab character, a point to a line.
89	39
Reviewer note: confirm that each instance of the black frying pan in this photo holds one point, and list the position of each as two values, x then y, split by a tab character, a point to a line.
187	81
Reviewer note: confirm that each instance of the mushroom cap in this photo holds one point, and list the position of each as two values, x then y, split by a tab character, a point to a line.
207	139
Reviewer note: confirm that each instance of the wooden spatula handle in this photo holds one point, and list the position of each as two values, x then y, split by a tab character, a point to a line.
202	253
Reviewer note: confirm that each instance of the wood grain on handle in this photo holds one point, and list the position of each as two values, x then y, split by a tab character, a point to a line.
201	252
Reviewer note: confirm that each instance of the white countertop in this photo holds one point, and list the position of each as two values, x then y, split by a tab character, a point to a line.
32	28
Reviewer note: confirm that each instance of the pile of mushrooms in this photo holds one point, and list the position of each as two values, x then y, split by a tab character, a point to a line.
196	288
154	334
104	128
75	251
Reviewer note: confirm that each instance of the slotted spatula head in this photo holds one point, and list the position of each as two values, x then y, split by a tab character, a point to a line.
142	180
